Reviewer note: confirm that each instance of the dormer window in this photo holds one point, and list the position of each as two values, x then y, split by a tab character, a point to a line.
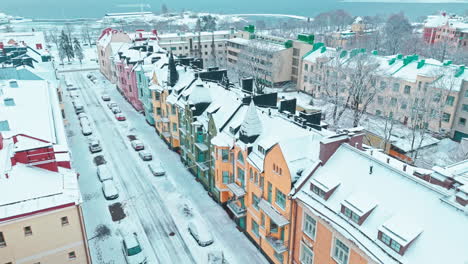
323	186
398	233
358	207
261	150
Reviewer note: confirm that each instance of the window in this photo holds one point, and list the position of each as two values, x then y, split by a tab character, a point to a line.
261	150
158	111
307	256
305	78
64	221
380	100
240	157
450	100
72	255
446	117
225	155
404	106
255	228
465	108
378	112
340	252
263	220
466	93
225	177
407	89
157	95
273	227
256	178
280	199
396	87
2	240
393	101
386	239
383	85
256	200
306	67
241	176
296	52
350	214
251	174
395	246
318	191
462	121
390	242
269	192
173	109
261	181
310	226
174	127
27	231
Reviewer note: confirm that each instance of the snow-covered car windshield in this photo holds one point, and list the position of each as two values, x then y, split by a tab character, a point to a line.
133	251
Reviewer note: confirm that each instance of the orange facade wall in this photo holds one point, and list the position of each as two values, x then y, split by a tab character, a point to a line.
323	242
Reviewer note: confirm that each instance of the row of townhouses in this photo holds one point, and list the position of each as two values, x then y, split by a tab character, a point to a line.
446	28
301	193
41	219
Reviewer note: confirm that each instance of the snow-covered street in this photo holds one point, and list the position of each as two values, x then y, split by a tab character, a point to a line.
158	209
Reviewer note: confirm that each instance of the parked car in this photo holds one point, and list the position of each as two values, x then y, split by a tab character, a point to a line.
145	155
200	233
71	88
120	117
82	115
105	97
116	110
84	122
79	108
111	105
86	129
94	146
156	168
132	249
103	173
137	145
74	94
109	190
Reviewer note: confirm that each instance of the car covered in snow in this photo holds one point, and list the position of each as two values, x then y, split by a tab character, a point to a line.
94	146
200	233
116	110
156	168
84	122
103	173
79	108
120	117
74	94
86	129
109	190
82	115
137	145
105	97
132	250
145	155
111	105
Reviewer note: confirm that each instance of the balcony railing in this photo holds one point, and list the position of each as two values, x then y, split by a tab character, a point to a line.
277	244
237	210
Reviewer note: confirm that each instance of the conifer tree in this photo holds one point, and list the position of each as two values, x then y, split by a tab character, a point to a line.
78	50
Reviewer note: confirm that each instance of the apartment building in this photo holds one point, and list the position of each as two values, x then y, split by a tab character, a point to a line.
209	46
447	28
40	206
401	83
271	60
107	46
355	216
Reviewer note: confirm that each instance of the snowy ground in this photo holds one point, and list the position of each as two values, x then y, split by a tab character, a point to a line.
154	205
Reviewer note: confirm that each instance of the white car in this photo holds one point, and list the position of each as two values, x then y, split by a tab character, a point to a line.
116	110
216	257
103	173
110	190
156	168
94	146
105	97
86	129
84	122
137	145
145	155
82	115
132	249
111	105
200	233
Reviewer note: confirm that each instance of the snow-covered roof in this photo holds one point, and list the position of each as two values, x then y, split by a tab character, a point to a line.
32	109
29	38
251	126
405	206
259	44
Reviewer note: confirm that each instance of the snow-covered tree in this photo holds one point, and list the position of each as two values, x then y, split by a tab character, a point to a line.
396	29
164	9
78	50
86	33
66	46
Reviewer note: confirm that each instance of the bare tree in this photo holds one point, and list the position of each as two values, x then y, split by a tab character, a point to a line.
54	37
86	33
442	93
361	84
396	29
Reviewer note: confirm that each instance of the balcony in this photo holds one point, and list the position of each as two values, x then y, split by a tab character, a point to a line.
201	165
277	244
202	147
236	190
164	119
182	130
237	210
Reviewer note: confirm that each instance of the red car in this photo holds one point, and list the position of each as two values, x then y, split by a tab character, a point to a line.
120	117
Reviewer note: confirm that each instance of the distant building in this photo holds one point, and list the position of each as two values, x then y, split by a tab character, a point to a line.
40	206
23	48
446	28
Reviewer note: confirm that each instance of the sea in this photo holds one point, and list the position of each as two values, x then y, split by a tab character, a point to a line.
60	9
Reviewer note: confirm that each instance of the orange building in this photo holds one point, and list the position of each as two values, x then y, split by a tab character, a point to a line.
259	156
360	207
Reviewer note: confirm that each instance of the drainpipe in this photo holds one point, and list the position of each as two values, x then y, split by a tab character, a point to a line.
292	237
83	233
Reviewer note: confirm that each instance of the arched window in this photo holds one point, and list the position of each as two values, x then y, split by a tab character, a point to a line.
256	178
240	157
251	174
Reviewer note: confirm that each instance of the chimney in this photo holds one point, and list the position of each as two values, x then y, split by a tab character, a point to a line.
328	146
404	167
388	160
247	85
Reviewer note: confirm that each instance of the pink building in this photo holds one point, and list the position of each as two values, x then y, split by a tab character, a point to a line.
126	83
